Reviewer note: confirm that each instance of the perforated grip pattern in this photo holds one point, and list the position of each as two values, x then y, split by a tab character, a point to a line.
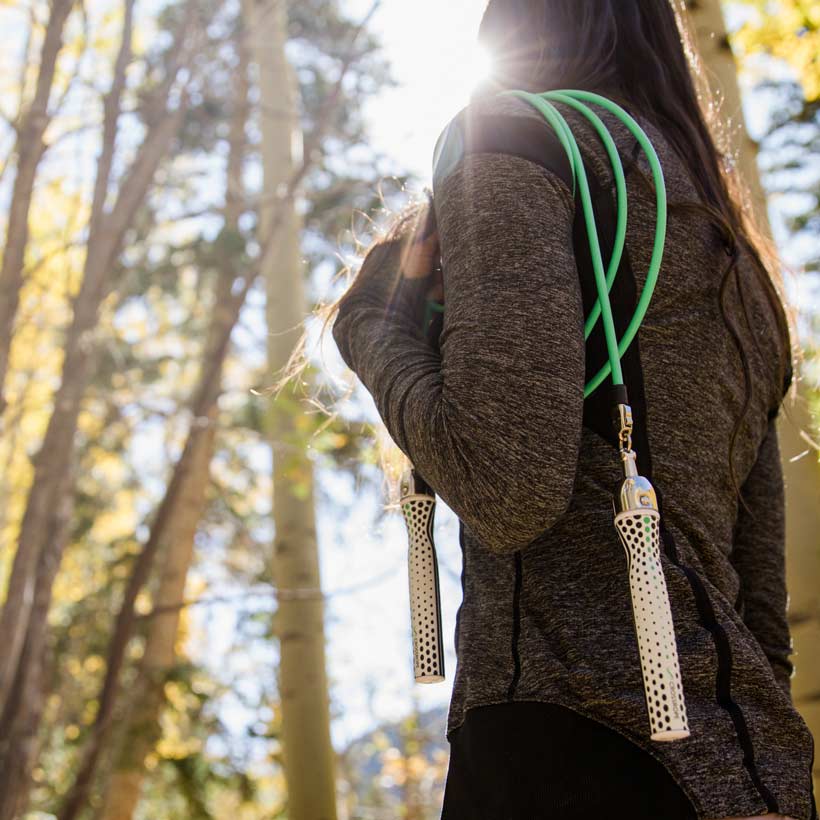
653	623
425	597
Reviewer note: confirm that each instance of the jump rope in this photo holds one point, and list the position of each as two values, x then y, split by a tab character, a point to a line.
634	503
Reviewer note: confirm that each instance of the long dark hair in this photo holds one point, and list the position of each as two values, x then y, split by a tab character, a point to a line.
643	55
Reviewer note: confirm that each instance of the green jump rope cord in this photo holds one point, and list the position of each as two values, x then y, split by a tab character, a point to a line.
577	163
602	307
620	183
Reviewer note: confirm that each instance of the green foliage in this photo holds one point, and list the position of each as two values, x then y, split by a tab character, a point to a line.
788	32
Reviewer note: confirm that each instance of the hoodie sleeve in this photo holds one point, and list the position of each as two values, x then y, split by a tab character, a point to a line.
759	557
493	420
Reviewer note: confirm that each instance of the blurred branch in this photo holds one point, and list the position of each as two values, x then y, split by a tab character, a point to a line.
278	594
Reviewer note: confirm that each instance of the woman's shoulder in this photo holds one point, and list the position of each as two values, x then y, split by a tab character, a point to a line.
499	124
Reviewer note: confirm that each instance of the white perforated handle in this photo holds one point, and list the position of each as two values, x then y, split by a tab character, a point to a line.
658	649
425	598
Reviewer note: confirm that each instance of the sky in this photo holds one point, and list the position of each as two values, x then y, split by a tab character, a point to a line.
432	47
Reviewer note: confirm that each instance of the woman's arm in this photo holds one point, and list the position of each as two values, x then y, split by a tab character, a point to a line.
759	558
493	423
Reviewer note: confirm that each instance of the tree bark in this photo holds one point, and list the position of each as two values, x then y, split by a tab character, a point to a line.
19	738
802	476
299	624
29	149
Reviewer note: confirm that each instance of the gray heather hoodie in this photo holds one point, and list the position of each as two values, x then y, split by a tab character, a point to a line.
494	419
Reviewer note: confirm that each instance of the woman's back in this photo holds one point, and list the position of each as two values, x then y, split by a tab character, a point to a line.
555	616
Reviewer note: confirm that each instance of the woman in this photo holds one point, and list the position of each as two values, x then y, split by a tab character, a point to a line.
548	716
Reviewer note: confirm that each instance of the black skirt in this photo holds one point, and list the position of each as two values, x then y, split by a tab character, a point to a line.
528	761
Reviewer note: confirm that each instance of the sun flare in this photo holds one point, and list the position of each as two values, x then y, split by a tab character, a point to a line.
467	70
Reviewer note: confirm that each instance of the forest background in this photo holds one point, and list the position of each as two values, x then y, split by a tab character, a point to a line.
180	184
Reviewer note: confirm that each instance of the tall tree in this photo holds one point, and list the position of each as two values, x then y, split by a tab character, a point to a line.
802	475
303	690
141	730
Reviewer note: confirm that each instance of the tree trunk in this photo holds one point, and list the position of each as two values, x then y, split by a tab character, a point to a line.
28	149
146	697
77	795
801	477
36	544
307	749
19	743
